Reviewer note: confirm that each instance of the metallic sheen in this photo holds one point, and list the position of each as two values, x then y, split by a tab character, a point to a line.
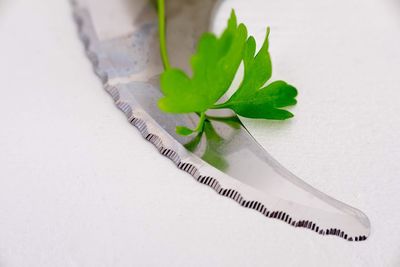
121	39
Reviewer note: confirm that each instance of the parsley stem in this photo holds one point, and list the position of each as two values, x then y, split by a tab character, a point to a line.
200	124
162	31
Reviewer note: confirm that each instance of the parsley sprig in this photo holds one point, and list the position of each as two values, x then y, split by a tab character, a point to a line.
215	65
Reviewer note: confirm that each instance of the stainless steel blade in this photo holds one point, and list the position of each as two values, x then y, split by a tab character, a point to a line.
121	40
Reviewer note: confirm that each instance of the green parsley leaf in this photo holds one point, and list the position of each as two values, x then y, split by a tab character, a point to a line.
266	102
185	131
252	102
214	67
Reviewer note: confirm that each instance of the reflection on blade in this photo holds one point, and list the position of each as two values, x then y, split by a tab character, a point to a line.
225	156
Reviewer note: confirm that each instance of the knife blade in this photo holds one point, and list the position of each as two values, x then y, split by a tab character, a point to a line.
121	40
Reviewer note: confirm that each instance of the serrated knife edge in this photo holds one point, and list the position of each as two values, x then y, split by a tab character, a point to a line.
213	182
176	158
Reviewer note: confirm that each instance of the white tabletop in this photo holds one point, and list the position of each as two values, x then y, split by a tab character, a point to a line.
78	186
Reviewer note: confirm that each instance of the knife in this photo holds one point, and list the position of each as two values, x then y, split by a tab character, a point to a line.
121	40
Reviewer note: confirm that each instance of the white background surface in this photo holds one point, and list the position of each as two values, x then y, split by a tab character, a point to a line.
80	187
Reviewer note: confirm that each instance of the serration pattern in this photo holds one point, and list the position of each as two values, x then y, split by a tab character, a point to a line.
191	169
